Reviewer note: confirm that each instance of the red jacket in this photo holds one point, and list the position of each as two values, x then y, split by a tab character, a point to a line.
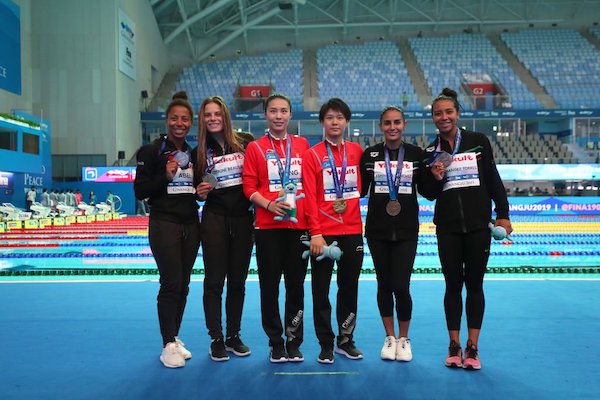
322	219
259	161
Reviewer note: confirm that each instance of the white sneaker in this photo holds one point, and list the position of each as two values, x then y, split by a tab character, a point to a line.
171	356
403	349
181	347
388	351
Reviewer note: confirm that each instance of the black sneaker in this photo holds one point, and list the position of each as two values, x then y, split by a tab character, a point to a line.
217	350
236	346
294	353
326	355
349	350
278	354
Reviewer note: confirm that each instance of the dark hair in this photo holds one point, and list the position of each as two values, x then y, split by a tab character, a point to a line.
447	94
388	108
276	96
180	99
335	104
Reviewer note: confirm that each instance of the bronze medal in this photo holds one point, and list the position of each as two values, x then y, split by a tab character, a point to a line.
393	208
281	192
339	206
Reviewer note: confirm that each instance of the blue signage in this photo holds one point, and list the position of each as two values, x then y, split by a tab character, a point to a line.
10	47
425	114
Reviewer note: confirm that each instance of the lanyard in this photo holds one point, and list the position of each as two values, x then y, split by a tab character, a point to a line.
182	157
394	184
457	140
284	174
210	163
438	149
338	182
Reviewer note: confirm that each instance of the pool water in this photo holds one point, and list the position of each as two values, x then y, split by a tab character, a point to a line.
571	244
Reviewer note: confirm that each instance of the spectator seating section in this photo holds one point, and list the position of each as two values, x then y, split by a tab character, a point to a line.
526	149
531	149
283	71
373	75
368	77
565	63
443	61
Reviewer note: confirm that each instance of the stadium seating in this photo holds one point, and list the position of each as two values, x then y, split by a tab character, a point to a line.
531	149
443	61
283	71
368	77
371	75
565	63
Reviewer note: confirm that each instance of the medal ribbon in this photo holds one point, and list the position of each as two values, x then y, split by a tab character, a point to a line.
394	184
338	181
210	163
438	149
284	174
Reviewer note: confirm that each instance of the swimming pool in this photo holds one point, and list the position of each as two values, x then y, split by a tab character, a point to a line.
540	244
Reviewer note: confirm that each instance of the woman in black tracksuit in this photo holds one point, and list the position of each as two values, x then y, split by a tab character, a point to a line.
227	224
392	225
165	176
463	211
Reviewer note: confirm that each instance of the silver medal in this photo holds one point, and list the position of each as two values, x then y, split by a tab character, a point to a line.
445	158
210	178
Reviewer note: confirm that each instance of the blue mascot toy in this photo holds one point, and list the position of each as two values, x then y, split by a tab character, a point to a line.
332	251
289	196
498	232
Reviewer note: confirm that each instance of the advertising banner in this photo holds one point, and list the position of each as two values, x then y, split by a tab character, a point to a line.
108	174
10	47
127	49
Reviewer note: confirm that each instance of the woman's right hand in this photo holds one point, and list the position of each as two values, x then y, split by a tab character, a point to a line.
438	171
171	169
203	189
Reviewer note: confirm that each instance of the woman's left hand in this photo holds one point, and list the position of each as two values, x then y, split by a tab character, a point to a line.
505	223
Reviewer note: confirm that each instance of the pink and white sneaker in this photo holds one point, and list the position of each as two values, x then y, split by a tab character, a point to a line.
454	359
471	358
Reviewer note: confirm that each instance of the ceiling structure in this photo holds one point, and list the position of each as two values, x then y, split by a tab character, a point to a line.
198	30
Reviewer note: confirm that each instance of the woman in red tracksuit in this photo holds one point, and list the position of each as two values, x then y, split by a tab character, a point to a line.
271	164
333	213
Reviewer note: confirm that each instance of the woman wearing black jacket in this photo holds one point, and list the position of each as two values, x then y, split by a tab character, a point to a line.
226	227
165	176
392	225
463	211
